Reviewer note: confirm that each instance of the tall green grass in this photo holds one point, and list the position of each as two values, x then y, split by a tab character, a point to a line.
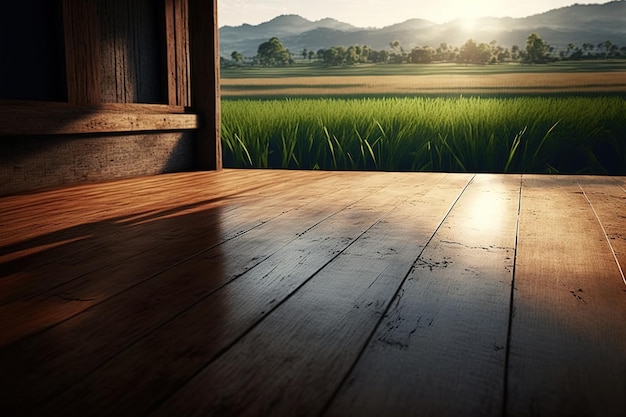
477	134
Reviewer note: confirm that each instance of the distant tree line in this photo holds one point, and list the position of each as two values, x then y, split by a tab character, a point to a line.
536	50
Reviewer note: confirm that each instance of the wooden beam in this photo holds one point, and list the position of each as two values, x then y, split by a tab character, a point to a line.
80	20
58	118
204	69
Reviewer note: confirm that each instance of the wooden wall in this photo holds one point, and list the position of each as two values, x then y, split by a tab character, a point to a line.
42	161
117	97
133	53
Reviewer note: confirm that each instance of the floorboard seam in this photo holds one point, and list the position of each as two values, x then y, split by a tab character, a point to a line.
149	277
236	235
619	184
358	357
507	354
283	301
606	237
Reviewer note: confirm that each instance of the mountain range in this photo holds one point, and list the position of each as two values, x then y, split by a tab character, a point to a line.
577	24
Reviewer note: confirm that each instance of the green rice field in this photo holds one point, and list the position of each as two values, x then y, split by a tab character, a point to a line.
562	131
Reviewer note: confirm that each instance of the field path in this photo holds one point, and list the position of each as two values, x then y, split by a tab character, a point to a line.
513	83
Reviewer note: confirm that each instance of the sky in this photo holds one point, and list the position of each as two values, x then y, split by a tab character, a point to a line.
379	13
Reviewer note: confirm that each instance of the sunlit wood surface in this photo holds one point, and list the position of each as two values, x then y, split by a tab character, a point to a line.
292	293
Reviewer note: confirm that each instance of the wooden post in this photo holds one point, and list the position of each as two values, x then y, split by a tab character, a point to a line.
177	35
80	20
205	77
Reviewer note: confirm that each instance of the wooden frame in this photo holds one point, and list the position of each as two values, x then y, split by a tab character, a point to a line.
191	37
205	78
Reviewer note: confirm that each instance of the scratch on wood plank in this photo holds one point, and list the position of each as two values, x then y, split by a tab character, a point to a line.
577	295
606	236
431	264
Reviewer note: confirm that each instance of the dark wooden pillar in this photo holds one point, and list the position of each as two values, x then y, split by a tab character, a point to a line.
82	37
204	68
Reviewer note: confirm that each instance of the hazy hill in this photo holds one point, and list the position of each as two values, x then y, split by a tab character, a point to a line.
246	38
576	24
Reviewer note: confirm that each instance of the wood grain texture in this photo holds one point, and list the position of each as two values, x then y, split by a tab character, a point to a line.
39	106
295	357
164	290
82	46
86	281
282	262
608	201
568	341
267	292
446	330
55	120
177	34
170	37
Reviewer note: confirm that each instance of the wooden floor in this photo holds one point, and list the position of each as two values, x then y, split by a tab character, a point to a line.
291	293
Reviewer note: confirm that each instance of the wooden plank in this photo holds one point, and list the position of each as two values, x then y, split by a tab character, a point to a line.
39	106
82	49
22	120
177	34
58	216
255	292
446	331
139	51
37	118
205	78
26	262
73	262
182	47
109	60
568	340
121	42
172	48
147	306
26	217
621	181
130	41
608	201
570	345
292	361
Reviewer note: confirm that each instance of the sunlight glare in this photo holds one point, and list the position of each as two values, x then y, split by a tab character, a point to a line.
489	212
468	24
